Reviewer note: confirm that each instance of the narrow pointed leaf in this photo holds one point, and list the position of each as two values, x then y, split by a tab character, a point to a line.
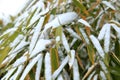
30	66
76	74
38	69
54	59
97	46
48	68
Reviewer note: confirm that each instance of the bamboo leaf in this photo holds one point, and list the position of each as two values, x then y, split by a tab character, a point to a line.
17	73
108	4
61	19
63	63
107	39
40	46
30	66
71	58
97	46
48	68
65	43
54	59
36	34
81	6
76	74
38	69
9	73
84	22
3	53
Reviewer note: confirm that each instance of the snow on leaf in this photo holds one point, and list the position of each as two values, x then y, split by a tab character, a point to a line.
71	58
91	75
40	46
57	39
84	36
9	31
36	34
67	18
30	66
102	75
22	44
97	46
107	40
16	41
76	75
73	41
48	70
103	31
20	61
60	77
117	29
38	69
73	33
84	22
17	73
57	72
108	4
65	43
95	77
103	66
62	19
9	73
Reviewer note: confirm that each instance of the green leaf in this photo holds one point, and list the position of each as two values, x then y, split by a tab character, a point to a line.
115	70
91	53
3	53
54	59
117	49
58	32
32	75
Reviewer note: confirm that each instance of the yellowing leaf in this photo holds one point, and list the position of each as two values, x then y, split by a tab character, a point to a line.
81	6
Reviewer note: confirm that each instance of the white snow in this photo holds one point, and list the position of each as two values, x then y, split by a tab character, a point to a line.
103	31
62	19
97	46
107	40
60	77
65	43
103	66
76	74
40	46
48	72
73	33
102	74
57	72
17	40
71	58
108	4
9	31
36	34
84	35
20	61
57	39
11	7
84	22
30	66
22	44
38	68
9	73
17	73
